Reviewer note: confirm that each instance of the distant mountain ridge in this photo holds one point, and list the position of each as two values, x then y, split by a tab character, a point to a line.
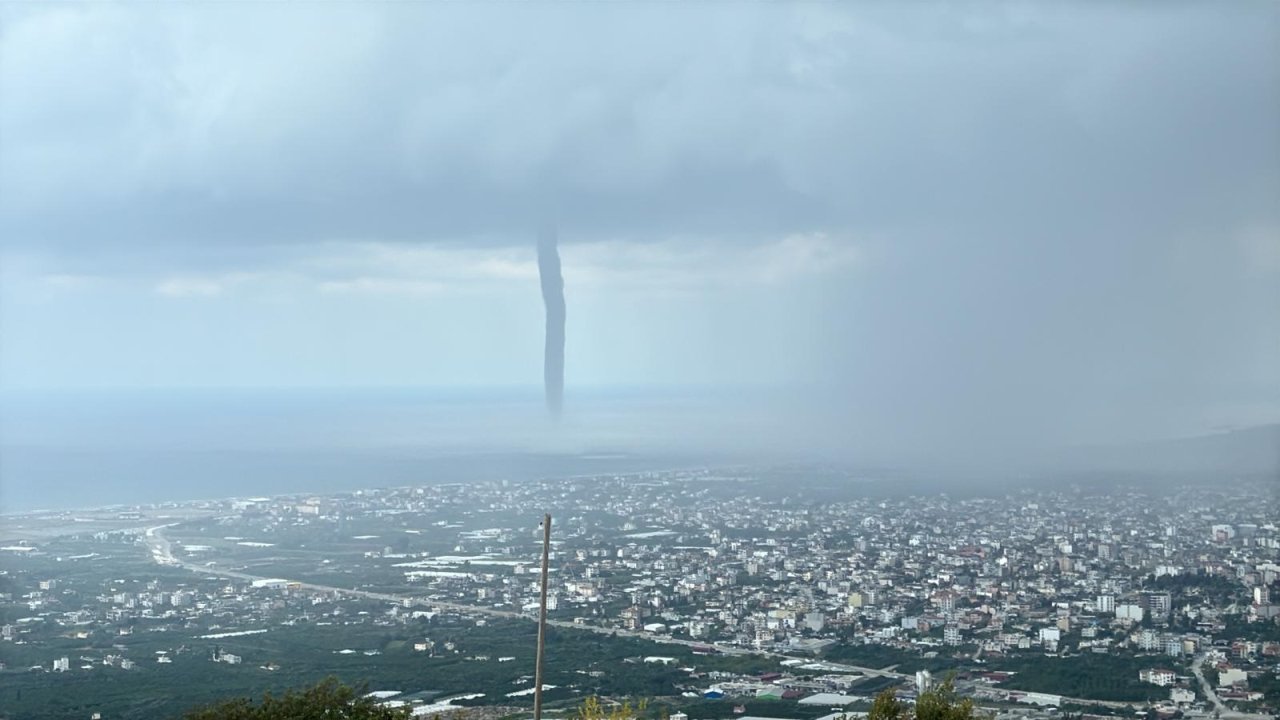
1246	451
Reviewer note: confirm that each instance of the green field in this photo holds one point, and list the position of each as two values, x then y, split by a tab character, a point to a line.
579	662
1094	676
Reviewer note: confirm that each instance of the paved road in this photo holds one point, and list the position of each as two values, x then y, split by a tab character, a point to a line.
1221	710
1205	687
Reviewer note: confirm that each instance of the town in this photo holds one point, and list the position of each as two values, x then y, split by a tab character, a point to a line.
788	592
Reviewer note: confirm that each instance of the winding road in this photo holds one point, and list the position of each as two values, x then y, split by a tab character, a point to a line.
1220	709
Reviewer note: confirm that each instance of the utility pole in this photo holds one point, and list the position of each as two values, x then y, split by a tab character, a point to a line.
542	619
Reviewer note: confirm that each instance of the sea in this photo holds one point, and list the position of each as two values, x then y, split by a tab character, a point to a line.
80	449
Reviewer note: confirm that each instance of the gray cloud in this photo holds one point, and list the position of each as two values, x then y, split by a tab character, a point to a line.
1064	218
414	122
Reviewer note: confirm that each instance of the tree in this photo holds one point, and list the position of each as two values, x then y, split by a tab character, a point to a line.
330	700
940	703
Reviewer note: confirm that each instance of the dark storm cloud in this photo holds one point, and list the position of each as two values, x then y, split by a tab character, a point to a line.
420	122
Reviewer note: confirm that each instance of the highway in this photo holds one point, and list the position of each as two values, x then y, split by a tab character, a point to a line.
162	553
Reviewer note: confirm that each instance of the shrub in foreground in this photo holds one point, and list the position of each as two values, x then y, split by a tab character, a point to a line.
329	700
940	703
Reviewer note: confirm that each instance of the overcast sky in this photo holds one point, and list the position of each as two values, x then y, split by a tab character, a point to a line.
976	221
